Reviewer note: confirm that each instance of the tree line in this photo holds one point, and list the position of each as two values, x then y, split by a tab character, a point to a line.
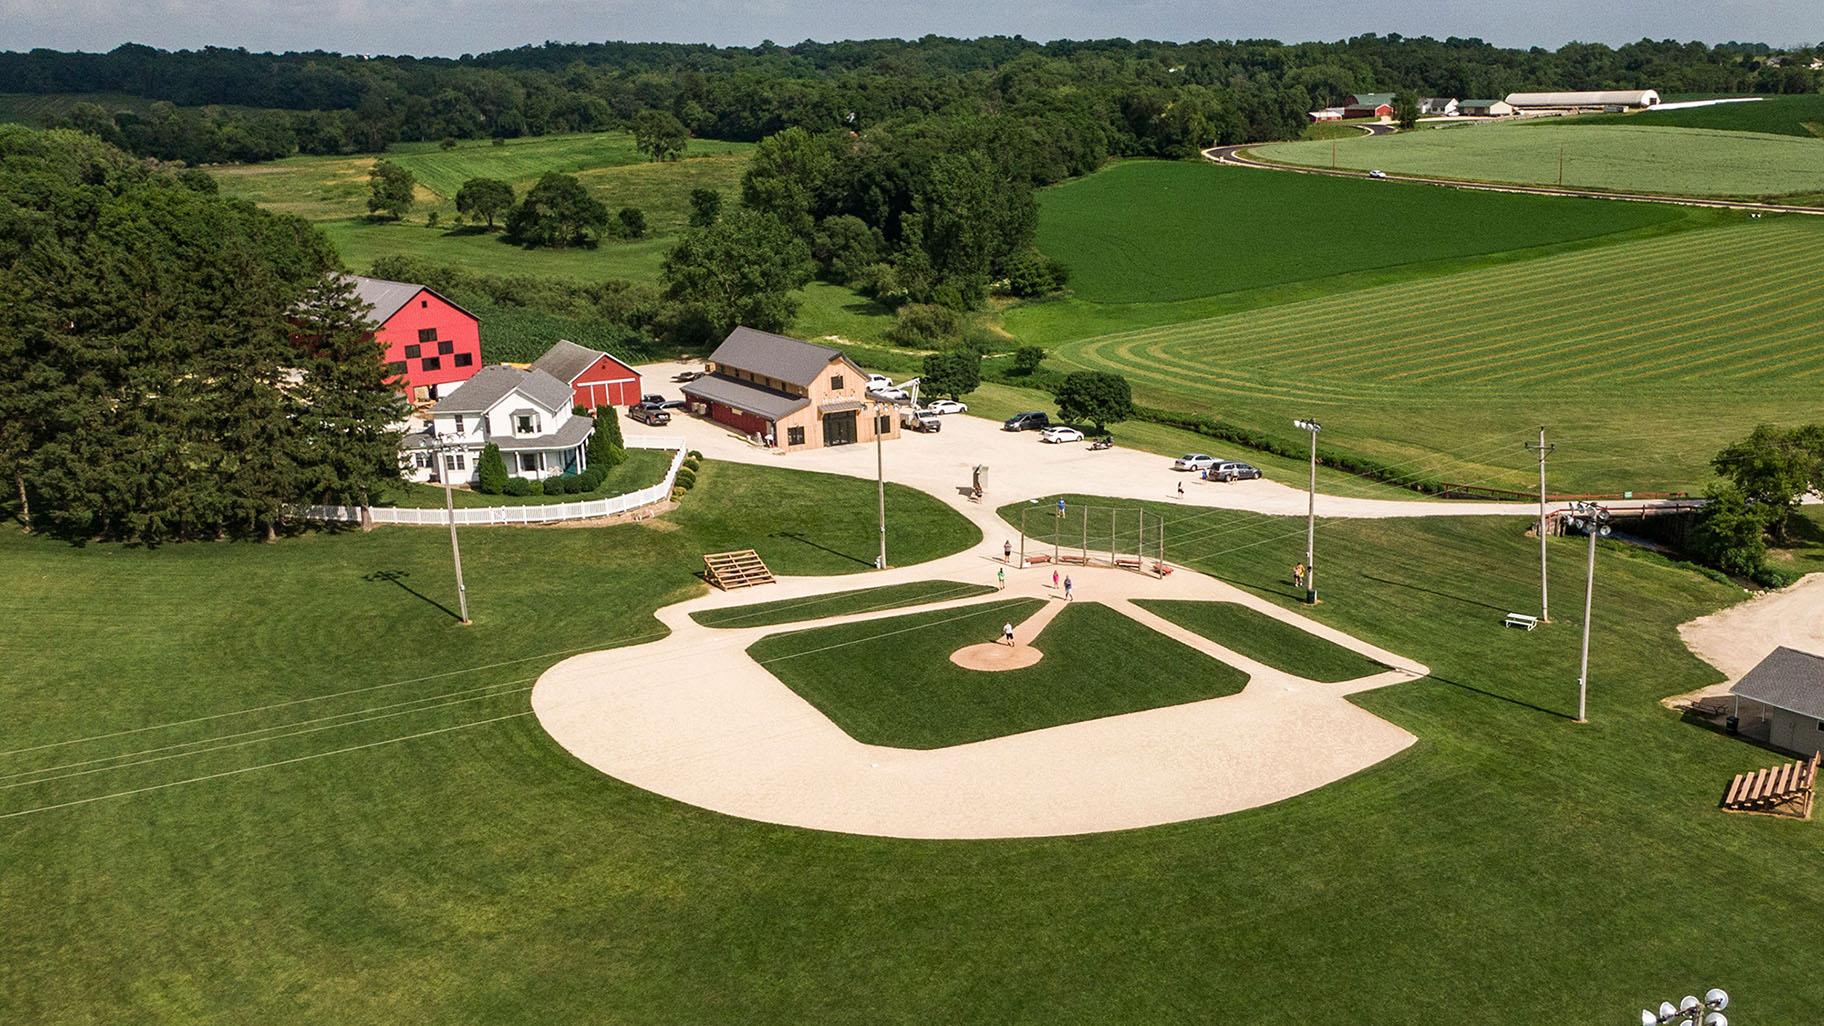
1117	96
177	365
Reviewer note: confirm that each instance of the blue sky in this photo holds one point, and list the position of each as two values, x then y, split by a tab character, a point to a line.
452	27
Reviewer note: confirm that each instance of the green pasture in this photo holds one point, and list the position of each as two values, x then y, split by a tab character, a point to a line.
1510	867
1802	116
1616	158
1261	637
1146	232
360	242
1642	359
1097	662
816	607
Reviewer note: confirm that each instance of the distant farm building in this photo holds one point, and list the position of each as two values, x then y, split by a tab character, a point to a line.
1326	114
1618	99
594	377
1444	106
432	345
1787	688
792	394
1485	108
1368	105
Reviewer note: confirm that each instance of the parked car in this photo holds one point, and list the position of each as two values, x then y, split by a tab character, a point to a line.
920	420
1060	433
666	404
943	406
892	395
683	376
1230	470
650	415
879	381
1194	461
1377	173
1031	421
654	400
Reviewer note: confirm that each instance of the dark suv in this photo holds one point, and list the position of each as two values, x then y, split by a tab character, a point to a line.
1033	421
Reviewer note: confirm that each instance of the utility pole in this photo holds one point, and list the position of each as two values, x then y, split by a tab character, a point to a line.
880	488
1542	449
1313	427
448	449
1594	520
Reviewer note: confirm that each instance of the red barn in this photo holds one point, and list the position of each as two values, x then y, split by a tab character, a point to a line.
432	344
595	378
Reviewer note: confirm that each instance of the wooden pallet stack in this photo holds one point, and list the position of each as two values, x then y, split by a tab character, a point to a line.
731	570
1786	789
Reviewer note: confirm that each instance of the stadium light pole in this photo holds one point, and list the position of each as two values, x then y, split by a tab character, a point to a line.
1543	450
880	488
1592	520
1313	427
1691	1011
447	447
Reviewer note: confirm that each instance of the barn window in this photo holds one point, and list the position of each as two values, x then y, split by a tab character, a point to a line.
445	348
427	334
413	352
835	382
795	436
424	304
883	424
431	363
465	359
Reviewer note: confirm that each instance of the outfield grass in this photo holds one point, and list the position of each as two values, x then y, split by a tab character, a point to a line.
642	469
1144	232
1260	637
1618	158
1642	360
891	682
1802	116
1510	867
865	600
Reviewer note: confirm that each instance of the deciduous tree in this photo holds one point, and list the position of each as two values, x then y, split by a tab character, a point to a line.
557	211
485	199
389	189
660	135
1099	397
740	270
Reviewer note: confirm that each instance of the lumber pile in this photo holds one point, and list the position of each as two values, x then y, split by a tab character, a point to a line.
731	570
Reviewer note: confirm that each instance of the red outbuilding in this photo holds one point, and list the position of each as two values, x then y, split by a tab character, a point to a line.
595	378
432	345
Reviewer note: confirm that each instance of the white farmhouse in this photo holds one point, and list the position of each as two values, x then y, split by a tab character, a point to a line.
527	414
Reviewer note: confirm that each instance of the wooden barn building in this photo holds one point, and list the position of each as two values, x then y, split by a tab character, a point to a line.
792	394
595	378
432	345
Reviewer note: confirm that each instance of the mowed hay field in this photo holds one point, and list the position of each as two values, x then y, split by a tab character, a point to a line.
332	191
1802	116
1615	158
1642	357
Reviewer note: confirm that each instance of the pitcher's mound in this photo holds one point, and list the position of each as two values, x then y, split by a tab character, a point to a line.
995	656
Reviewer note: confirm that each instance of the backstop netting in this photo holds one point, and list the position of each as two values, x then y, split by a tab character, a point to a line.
1117	536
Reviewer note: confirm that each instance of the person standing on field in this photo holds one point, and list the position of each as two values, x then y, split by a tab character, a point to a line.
1007	551
1067	589
1000	579
1007	634
1054	577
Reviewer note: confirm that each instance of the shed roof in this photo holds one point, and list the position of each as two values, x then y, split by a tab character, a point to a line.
745	396
566	360
387	297
573	432
492	384
1787	679
1370	99
773	356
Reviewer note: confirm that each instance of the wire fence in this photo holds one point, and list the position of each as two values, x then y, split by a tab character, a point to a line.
586	509
1117	536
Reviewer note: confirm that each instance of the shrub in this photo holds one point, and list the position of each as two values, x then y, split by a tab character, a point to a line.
448	143
592	478
694	455
676	494
631	223
518	486
686	479
879	282
1031	273
1768	576
491	471
606	448
925	325
1026	359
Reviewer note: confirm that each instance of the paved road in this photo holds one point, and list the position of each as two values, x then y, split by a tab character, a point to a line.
1237	156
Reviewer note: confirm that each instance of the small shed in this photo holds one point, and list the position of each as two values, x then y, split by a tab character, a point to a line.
595	378
1788	686
1485	108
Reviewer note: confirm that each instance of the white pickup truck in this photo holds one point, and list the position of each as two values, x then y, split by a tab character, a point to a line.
920	420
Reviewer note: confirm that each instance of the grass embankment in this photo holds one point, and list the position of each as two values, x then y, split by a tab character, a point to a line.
1517	864
642	469
1642	360
1802	116
866	600
1636	157
1260	637
891	682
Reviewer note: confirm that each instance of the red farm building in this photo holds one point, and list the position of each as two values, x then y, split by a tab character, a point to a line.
594	377
1368	105
432	345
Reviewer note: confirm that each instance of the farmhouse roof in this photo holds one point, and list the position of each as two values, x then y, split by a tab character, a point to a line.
571	433
387	297
773	356
745	396
1597	98
565	360
1787	679
492	384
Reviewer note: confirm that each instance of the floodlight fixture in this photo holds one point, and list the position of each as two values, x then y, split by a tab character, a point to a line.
1716	998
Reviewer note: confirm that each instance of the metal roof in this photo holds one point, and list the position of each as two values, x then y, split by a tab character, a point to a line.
566	360
1596	98
1370	99
773	356
387	297
490	385
1788	679
572	433
745	396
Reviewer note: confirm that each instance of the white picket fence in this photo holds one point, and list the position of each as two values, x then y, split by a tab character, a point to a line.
530	513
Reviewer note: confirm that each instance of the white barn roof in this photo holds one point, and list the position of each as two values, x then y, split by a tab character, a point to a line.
1600	98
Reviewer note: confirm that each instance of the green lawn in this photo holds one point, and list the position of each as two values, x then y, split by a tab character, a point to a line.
1143	232
1802	116
865	600
1642	359
891	682
642	469
1621	158
1273	642
1510	867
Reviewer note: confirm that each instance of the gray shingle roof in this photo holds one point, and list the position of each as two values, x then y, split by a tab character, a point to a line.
572	433
1788	679
744	396
565	360
773	356
490	385
386	297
